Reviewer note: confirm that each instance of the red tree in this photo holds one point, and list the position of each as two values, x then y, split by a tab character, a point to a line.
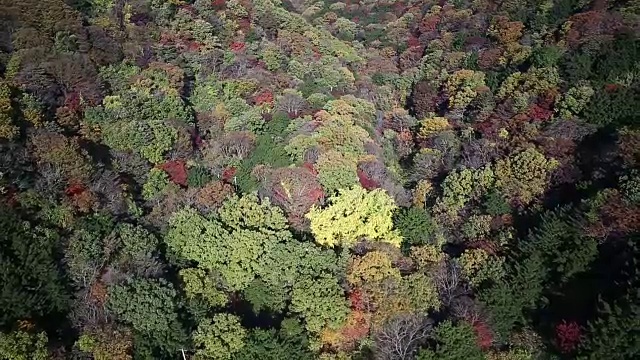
228	174
366	182
177	171
356	301
538	113
265	97
484	337
237	46
568	336
74	189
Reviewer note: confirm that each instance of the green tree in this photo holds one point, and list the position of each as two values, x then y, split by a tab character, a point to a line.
151	308
320	302
479	266
32	282
272	57
288	342
219	338
197	283
454	342
20	345
416	225
248	240
462	87
524	176
372	268
336	172
264	296
611	335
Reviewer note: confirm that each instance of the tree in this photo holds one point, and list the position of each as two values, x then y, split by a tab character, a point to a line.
355	214
20	345
33	283
106	343
416	225
523	176
463	86
320	302
288	342
373	267
336	172
219	338
295	190
266	296
611	333
400	336
454	342
7	129
197	283
291	102
151	308
478	266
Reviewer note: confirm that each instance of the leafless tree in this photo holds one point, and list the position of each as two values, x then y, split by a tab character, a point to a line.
448	144
426	166
311	155
106	184
464	307
51	180
400	336
477	153
291	103
375	170
87	313
132	163
237	145
448	277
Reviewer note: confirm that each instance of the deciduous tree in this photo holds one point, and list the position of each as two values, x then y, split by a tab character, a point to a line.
353	215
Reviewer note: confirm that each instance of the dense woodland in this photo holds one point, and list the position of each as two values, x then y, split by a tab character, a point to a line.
297	180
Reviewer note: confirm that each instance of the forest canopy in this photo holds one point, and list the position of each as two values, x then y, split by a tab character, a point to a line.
288	179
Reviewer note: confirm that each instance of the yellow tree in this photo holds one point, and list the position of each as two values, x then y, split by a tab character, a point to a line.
353	215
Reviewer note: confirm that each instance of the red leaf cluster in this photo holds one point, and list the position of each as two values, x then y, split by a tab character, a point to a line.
228	174
366	182
177	171
619	217
194	46
189	8
98	292
11	196
356	328
413	41
592	26
265	97
74	189
484	336
244	24
219	4
167	38
611	87
72	101
488	58
309	166
429	23
237	46
356	301
568	336
316	53
196	138
538	113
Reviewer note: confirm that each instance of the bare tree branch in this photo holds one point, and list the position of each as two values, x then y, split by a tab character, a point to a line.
400	336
